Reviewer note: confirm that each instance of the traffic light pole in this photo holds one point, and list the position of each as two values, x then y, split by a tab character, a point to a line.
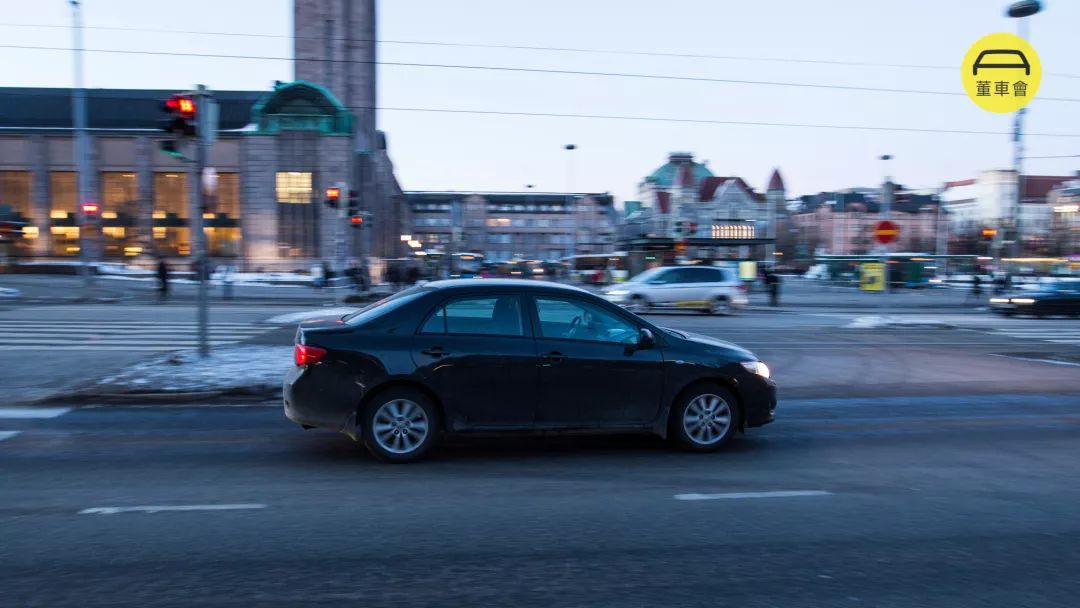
198	207
78	107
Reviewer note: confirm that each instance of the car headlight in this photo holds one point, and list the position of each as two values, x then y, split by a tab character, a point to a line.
617	292
757	367
999	300
1023	301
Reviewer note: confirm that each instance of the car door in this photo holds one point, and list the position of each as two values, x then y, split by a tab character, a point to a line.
669	287
704	281
478	354
591	372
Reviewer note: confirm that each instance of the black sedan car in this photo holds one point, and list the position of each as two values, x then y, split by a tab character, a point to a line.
1057	298
499	355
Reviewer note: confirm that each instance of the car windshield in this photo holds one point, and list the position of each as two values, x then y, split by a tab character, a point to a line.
385	305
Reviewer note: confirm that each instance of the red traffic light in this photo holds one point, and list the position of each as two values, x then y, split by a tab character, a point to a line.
333	194
356	220
181	104
90	208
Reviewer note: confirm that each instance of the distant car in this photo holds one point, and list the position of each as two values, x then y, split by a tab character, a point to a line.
1048	299
709	289
498	355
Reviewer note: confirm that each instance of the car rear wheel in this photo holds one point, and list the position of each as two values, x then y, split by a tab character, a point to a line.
704	418
400	425
720	306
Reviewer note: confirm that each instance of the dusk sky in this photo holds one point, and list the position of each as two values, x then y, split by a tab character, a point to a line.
460	151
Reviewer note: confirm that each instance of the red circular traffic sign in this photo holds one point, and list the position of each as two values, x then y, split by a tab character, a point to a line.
886	232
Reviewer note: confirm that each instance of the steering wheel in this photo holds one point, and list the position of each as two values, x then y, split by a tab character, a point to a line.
575	325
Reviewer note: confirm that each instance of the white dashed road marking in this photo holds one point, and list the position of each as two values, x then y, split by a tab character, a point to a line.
164	508
735	495
26	413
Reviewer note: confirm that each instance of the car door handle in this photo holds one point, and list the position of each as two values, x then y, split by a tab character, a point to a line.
552	358
435	351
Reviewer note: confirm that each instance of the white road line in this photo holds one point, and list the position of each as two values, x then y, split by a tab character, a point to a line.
25	413
8	434
164	508
735	495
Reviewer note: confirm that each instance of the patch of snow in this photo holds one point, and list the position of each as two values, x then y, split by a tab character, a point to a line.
123	269
318	313
877	322
255	368
9	292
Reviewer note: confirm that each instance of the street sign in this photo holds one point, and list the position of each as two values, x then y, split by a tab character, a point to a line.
886	232
872	276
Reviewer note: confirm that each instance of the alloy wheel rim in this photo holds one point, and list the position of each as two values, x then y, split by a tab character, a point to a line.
720	305
400	426
707	419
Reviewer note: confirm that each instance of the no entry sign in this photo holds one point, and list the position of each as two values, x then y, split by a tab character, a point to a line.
886	232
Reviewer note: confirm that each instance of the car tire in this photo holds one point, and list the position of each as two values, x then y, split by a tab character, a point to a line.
400	425
705	418
637	305
720	305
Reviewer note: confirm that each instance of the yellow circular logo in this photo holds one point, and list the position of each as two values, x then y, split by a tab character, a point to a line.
1001	72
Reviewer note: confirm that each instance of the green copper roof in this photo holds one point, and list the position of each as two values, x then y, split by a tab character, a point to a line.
301	105
665	175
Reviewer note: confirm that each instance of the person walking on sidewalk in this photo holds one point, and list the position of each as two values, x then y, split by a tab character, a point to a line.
772	283
163	279
976	289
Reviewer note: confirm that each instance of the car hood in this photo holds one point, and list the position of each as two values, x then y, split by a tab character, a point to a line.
729	349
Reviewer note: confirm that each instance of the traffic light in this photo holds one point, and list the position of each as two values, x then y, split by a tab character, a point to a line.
354	202
180	123
333	197
356	221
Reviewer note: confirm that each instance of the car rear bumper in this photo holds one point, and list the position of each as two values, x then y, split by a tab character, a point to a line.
307	402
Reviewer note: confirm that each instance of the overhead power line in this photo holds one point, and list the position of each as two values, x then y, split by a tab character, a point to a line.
526	47
510	69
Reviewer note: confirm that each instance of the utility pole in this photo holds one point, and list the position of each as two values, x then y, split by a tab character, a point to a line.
886	212
572	203
206	133
82	150
1020	10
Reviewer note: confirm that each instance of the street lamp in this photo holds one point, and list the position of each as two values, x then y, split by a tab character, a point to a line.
1020	10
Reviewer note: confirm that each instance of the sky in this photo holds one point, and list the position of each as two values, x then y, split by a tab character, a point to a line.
460	151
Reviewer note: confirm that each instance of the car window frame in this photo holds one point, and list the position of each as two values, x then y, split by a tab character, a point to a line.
534	314
526	320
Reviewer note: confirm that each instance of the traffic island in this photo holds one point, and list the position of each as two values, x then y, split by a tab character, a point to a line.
230	374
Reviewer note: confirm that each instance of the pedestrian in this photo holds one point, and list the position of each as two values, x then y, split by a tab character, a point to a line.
412	275
326	273
163	279
772	283
976	288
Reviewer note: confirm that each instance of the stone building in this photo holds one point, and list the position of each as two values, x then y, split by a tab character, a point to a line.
277	150
513	225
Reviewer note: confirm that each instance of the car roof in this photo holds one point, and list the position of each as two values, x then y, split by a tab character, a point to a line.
502	284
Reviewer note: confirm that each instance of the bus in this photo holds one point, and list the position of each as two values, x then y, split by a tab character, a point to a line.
912	270
592	268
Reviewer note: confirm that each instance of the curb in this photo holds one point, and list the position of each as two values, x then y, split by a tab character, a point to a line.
231	395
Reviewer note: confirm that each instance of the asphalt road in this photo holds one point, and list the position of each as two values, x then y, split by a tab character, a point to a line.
944	501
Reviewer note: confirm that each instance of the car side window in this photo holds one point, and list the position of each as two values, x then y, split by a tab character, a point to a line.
486	316
705	275
573	319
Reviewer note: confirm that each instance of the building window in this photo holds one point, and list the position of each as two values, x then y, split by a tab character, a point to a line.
64	226
222	225
498	221
119	210
15	196
298	219
171	200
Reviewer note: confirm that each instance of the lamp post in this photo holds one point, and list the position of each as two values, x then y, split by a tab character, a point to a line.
1020	10
570	197
78	119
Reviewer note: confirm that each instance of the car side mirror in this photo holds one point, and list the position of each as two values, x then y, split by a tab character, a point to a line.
646	339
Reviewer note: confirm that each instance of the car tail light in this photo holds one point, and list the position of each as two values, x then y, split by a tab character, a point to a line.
305	354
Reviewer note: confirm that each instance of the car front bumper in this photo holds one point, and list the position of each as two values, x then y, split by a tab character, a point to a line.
758	400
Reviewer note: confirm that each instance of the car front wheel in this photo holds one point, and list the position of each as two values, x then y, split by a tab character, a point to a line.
720	306
400	425
704	419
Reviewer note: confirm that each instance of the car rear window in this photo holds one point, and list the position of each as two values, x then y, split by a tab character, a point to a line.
385	305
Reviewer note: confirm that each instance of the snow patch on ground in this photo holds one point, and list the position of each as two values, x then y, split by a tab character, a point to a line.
877	322
318	313
251	369
9	292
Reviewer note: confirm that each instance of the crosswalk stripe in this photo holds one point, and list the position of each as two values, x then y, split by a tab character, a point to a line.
24	413
133	325
127	348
